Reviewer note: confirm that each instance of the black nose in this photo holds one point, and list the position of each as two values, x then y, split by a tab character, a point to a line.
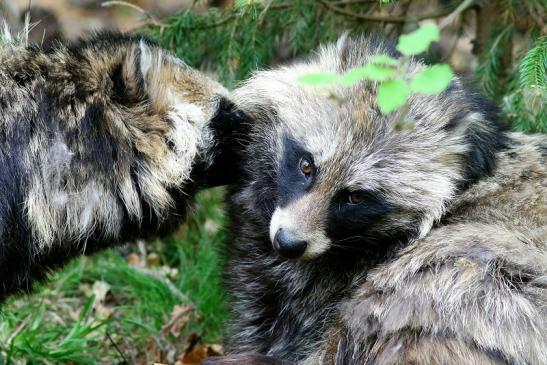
287	245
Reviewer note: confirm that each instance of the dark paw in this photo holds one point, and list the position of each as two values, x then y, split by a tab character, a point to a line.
245	359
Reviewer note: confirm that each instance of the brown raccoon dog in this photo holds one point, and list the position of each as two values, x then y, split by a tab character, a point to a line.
358	243
101	141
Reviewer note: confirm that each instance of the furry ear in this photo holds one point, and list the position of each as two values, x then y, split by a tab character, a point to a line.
138	78
482	130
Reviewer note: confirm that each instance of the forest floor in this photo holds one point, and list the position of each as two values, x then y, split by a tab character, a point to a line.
155	302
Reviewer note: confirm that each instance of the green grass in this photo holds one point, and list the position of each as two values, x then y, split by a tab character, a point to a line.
59	323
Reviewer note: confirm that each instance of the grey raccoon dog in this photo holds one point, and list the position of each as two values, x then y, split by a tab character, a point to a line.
357	243
101	141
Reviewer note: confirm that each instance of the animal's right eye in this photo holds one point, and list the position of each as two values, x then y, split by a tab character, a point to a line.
306	166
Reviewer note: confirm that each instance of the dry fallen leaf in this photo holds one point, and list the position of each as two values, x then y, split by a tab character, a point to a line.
179	317
153	260
153	354
200	353
100	289
133	259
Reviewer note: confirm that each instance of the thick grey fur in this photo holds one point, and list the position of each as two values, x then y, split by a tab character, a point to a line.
459	275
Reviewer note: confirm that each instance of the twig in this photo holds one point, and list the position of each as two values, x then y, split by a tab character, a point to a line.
455	43
125	361
538	17
337	3
383	19
398	28
461	8
229	18
351	2
152	20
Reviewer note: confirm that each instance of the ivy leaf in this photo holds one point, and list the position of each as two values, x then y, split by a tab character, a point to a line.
418	41
392	95
368	72
318	78
384	59
432	80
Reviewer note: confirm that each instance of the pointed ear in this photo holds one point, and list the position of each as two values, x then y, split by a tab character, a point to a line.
138	77
482	132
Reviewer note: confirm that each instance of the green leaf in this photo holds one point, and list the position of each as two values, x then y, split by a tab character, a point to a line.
368	72
432	80
418	41
384	59
318	78
392	95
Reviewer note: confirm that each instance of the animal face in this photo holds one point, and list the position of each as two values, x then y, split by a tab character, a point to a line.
341	177
339	183
324	200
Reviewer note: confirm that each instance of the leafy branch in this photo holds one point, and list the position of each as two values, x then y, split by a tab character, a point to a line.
395	83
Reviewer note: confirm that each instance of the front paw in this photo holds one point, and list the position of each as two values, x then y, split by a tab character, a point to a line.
245	359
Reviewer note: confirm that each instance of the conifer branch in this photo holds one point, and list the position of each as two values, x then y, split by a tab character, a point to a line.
384	19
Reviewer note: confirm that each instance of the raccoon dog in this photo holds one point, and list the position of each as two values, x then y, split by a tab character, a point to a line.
101	141
357	243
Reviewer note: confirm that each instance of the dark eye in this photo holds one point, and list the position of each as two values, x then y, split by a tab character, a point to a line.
306	166
356	197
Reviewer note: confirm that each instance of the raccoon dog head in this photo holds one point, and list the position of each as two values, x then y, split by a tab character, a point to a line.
333	174
202	123
125	121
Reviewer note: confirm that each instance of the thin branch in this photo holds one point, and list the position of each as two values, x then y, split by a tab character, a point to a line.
351	2
454	45
336	3
538	17
125	360
460	9
397	29
152	20
228	19
383	19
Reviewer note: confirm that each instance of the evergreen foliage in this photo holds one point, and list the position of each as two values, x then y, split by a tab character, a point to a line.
533	68
247	35
526	102
492	67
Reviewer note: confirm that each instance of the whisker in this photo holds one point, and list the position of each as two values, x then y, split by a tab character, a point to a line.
349	239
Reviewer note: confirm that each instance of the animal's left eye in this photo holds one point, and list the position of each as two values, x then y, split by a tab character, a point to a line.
306	166
356	197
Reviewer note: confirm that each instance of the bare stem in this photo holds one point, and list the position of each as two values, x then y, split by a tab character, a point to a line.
383	19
